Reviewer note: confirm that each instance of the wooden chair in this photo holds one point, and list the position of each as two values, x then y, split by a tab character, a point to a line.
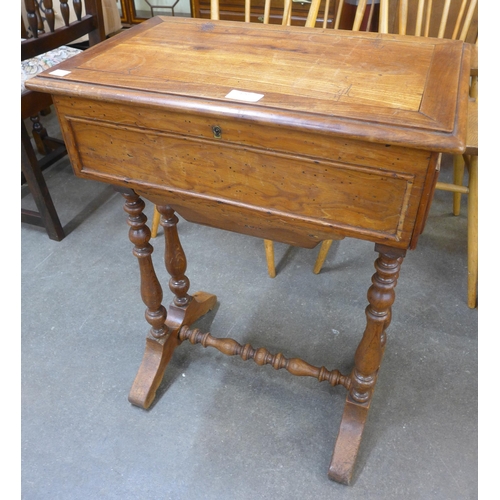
455	19
45	46
363	15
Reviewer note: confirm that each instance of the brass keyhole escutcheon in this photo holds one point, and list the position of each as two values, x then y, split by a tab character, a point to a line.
217	131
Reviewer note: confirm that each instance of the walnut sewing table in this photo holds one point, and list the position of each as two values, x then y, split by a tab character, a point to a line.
291	134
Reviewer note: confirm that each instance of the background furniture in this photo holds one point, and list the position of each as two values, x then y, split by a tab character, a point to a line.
239	10
111	16
158	9
339	13
137	11
426	17
457	20
46	47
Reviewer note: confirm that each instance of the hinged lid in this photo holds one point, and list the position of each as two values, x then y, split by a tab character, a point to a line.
383	88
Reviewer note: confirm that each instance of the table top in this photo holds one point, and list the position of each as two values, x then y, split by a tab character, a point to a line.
390	89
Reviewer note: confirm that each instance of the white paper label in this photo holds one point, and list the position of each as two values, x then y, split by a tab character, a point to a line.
239	95
59	72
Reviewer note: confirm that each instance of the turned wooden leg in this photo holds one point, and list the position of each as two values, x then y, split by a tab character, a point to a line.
367	362
162	338
184	309
159	346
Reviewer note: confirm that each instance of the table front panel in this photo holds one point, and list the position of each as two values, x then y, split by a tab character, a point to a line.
305	182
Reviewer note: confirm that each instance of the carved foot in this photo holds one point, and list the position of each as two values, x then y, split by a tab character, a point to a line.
158	352
198	306
348	441
154	362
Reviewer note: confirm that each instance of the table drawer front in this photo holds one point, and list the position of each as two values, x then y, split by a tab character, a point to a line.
247	133
351	198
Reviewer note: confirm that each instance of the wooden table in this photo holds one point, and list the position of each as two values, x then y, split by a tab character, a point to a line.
330	134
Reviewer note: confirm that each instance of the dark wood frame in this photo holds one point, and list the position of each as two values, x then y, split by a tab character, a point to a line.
34	103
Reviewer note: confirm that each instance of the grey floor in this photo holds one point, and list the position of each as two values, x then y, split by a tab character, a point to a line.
222	428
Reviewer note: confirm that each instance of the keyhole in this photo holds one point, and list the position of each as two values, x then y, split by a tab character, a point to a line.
217	131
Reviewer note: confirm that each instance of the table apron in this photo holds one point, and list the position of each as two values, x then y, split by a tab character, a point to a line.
299	187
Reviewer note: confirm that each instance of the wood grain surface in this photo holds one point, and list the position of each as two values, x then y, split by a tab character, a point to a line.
383	88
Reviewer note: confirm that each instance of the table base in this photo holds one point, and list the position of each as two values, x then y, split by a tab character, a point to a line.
169	328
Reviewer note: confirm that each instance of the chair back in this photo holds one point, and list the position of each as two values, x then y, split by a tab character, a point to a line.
282	11
42	34
453	19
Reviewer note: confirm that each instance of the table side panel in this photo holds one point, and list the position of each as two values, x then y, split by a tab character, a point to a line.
304	181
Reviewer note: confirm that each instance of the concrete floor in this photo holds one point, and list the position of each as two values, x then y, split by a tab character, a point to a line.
222	428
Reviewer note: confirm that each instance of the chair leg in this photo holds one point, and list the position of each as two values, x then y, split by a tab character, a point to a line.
39	134
269	248
156	223
473	87
323	252
458	179
472	230
46	215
